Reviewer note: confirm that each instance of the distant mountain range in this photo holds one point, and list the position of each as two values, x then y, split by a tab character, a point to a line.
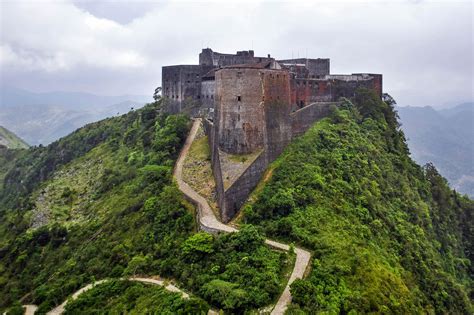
41	118
10	140
444	137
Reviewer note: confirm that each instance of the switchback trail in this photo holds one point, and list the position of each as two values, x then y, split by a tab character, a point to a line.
210	223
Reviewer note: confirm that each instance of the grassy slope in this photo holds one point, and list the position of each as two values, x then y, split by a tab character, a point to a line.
10	140
90	187
387	235
101	203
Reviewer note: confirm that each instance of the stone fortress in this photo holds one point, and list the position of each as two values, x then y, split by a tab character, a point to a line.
252	108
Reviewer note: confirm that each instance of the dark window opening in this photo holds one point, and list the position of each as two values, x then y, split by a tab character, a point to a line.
239	98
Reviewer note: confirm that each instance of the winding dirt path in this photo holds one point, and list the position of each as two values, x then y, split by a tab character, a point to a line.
210	223
58	310
30	309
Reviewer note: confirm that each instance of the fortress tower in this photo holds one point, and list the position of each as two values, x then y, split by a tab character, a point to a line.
245	95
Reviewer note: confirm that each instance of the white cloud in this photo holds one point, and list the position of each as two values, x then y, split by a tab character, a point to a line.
118	47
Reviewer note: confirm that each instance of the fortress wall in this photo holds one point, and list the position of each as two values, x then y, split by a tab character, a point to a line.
181	82
239	112
304	118
316	67
343	88
211	133
307	91
346	85
277	121
378	84
212	58
208	92
237	194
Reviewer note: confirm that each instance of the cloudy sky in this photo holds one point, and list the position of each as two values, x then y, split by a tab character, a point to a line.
423	48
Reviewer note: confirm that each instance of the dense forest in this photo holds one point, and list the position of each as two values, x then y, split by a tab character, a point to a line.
387	235
101	203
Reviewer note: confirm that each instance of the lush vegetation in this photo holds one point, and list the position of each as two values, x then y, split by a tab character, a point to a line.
387	235
128	297
101	203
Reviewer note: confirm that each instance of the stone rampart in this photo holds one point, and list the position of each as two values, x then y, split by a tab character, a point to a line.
303	118
238	192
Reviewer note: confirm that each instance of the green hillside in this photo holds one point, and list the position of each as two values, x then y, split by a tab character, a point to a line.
101	203
387	235
10	140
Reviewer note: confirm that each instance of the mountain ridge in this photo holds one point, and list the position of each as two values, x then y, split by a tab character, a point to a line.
41	118
444	137
10	140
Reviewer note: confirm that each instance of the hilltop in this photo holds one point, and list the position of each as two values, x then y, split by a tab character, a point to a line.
385	234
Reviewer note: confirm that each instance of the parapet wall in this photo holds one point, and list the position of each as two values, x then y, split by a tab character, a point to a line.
211	133
302	119
237	194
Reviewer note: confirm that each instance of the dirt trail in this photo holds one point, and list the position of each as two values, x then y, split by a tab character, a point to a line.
58	310
30	309
210	223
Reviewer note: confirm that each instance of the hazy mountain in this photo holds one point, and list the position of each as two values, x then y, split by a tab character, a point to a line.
10	140
445	138
12	96
41	118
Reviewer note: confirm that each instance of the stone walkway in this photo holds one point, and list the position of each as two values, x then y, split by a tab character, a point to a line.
208	222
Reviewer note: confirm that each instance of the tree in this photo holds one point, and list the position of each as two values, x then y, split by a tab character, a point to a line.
157	94
199	243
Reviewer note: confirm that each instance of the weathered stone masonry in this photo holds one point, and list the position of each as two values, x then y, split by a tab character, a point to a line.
253	107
